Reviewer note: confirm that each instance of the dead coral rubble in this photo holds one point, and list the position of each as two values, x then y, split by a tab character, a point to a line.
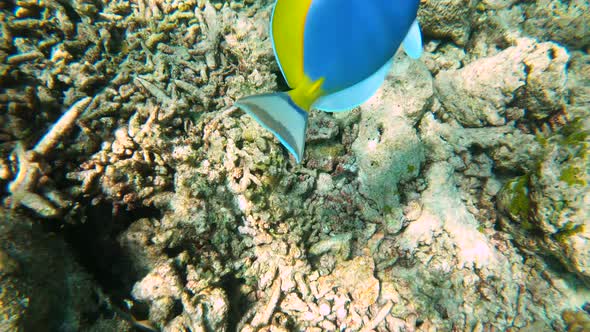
81	51
31	177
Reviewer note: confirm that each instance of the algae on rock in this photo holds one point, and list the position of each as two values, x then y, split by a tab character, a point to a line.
546	210
387	149
529	75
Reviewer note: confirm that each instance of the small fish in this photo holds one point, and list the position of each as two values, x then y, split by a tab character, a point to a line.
124	313
143	325
334	55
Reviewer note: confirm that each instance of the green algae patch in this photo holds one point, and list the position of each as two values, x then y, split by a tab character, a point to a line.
569	230
575	140
327	150
542	140
572	175
574	133
520	203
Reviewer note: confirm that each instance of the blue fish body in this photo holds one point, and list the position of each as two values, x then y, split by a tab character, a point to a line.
347	41
334	54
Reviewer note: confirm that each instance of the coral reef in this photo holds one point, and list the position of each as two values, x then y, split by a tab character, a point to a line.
545	209
30	173
454	199
42	287
528	79
576	320
562	22
447	19
387	149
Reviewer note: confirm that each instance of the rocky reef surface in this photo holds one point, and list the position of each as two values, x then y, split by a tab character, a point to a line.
136	197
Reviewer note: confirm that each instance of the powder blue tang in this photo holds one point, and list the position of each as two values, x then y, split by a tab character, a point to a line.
334	55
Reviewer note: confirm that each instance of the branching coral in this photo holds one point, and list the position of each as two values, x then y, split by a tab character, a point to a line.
31	173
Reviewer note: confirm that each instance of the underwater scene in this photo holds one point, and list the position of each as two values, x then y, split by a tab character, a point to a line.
294	165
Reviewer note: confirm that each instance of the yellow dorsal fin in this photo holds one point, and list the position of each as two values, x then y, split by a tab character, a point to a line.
287	26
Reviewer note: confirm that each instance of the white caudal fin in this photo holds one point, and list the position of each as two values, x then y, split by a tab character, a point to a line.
279	114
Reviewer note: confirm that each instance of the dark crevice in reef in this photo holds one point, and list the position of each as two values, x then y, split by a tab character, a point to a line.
174	251
8	5
70	11
95	245
238	304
